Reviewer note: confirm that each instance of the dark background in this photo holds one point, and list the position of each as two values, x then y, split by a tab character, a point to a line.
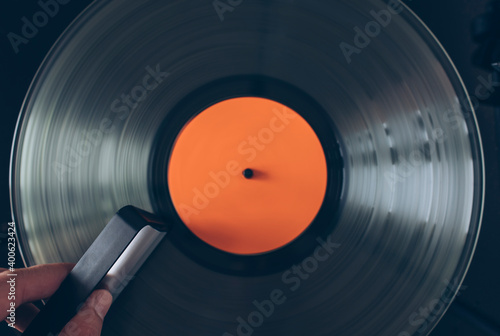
476	311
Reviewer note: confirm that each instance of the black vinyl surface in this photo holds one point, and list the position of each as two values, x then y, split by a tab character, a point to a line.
476	310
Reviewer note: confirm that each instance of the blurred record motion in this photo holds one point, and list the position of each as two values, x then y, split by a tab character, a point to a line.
319	162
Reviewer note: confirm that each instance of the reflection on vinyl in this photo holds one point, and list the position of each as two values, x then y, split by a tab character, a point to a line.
393	155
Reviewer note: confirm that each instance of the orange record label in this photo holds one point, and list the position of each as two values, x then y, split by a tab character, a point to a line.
247	175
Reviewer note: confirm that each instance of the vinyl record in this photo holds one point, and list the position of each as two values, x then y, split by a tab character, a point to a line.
392	164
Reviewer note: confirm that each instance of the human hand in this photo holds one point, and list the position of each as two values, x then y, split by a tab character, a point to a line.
40	282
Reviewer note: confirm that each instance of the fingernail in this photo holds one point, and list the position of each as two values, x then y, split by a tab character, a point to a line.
103	302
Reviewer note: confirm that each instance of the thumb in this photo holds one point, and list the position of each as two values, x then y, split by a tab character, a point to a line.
88	321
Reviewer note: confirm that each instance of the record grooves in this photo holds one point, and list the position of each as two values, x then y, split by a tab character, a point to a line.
403	163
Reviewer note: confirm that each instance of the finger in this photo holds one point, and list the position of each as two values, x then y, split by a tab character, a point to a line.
88	321
24	315
30	284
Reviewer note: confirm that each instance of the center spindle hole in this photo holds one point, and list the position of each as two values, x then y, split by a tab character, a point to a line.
248	173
